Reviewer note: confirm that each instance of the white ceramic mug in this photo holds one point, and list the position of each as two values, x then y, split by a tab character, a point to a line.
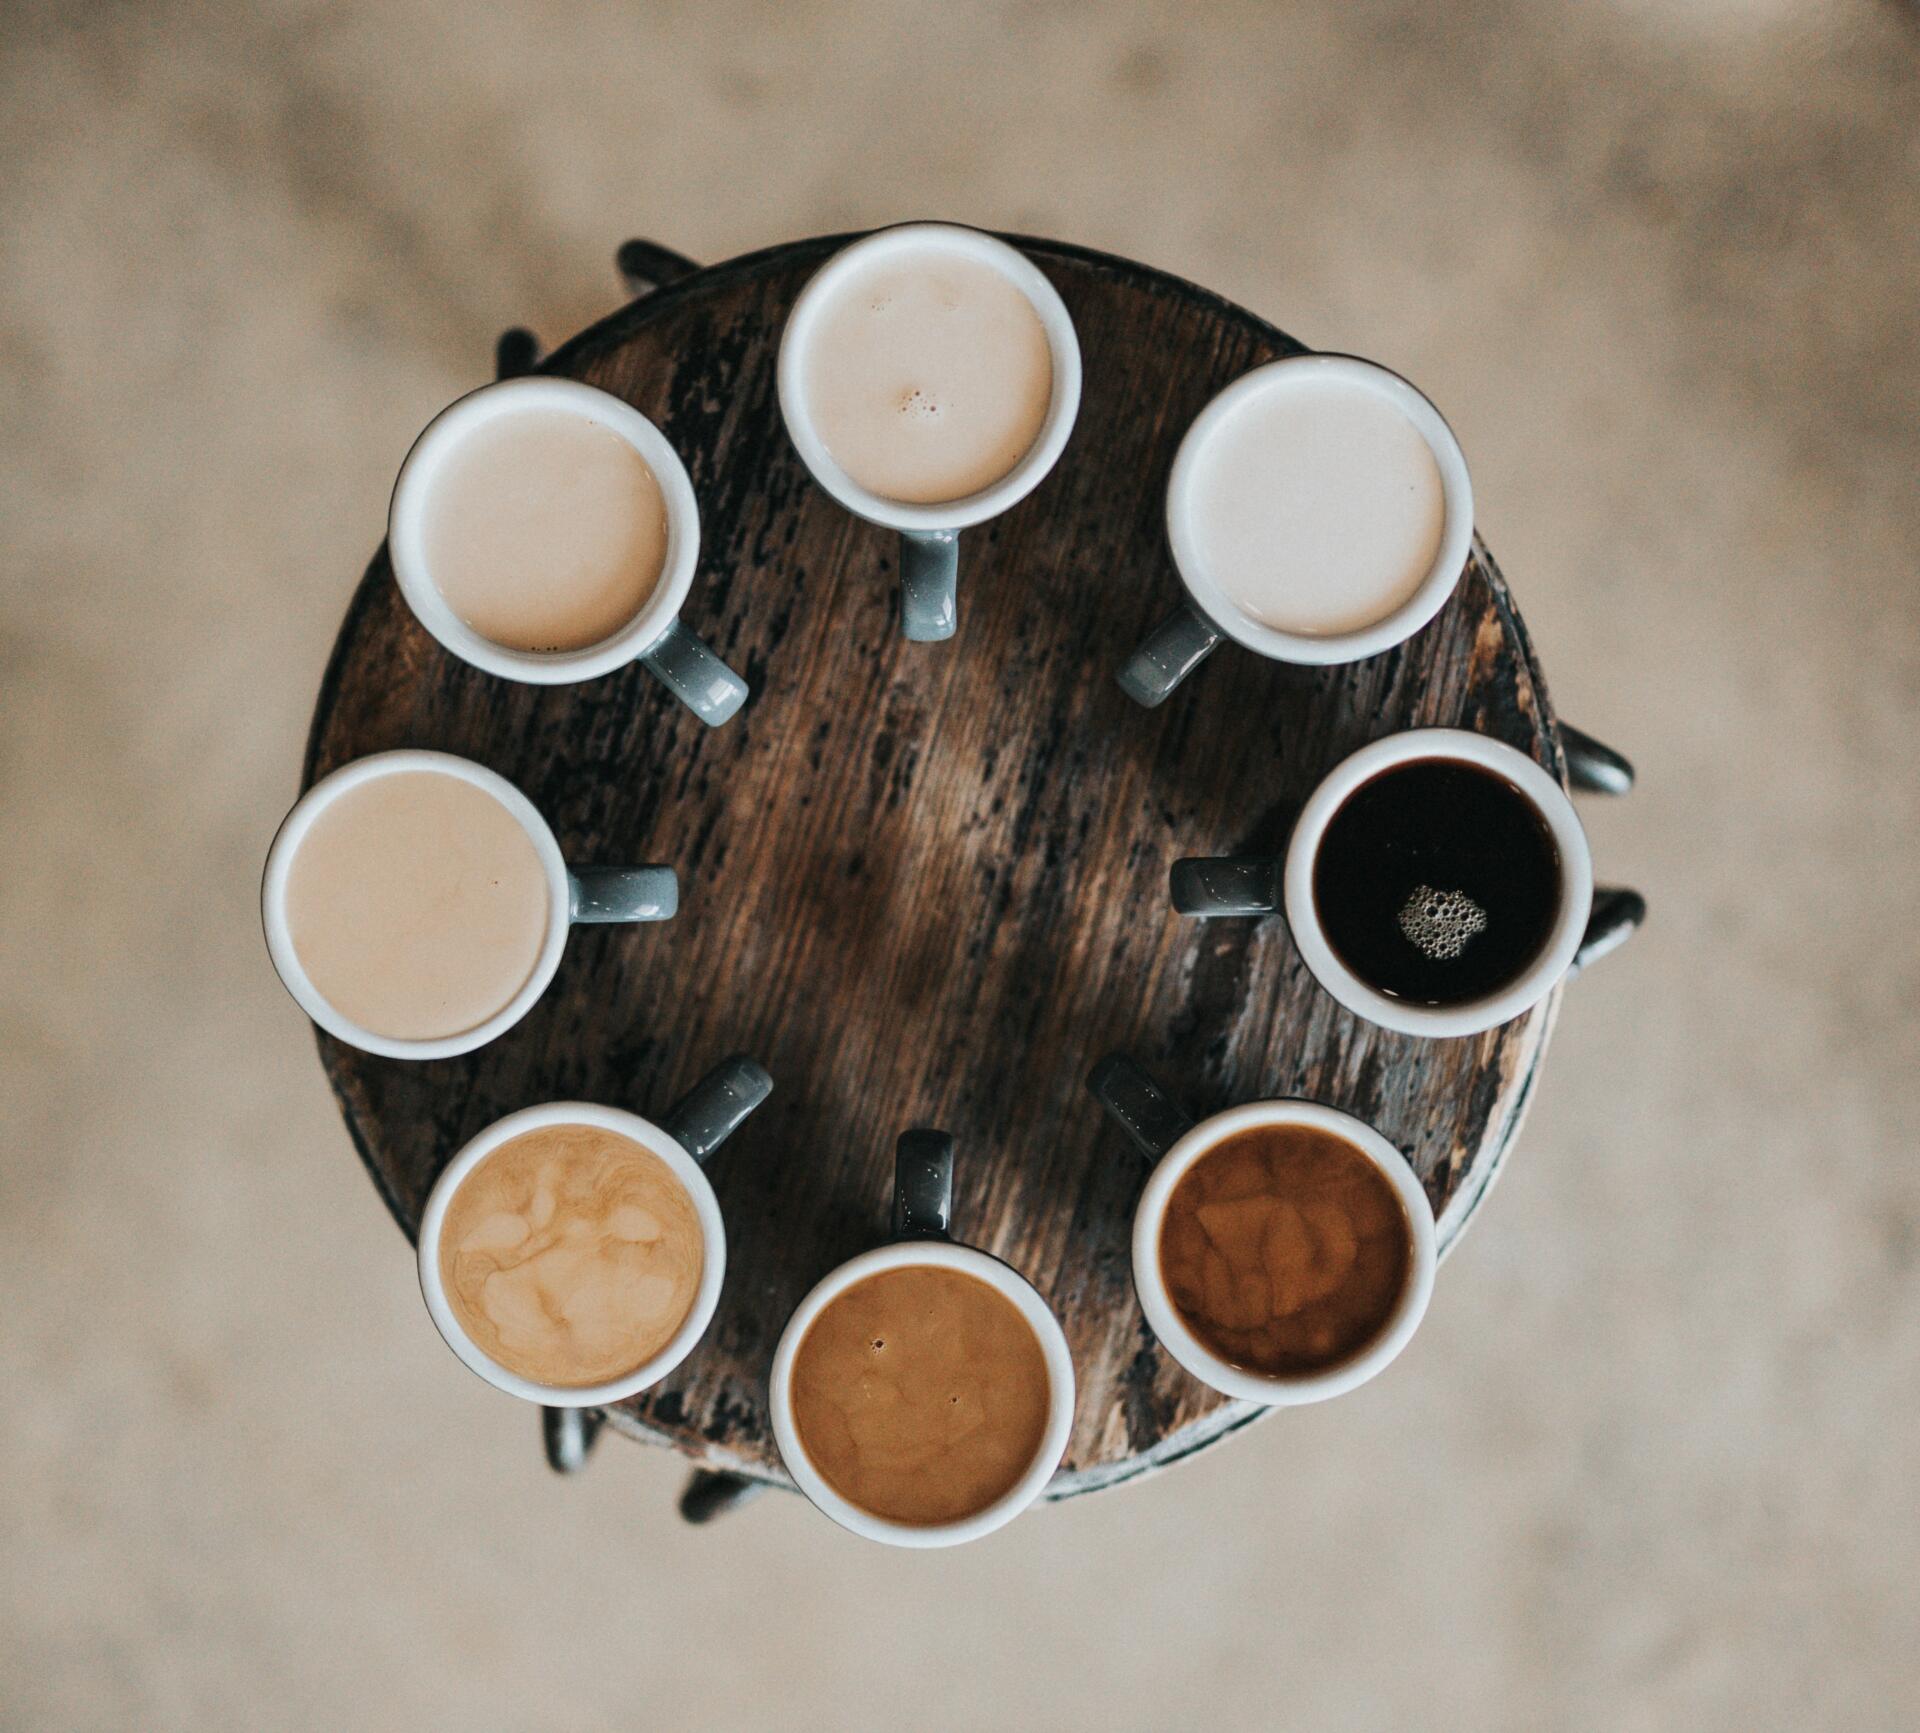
1197	628
577	894
1173	1143
923	1192
1262	885
929	534
655	636
711	1111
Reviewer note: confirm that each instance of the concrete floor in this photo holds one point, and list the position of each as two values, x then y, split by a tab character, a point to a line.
1652	1462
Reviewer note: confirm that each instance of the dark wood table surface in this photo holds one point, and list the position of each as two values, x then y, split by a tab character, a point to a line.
926	884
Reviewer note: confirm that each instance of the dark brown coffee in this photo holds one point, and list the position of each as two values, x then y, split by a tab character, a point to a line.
921	1394
1285	1250
1437	882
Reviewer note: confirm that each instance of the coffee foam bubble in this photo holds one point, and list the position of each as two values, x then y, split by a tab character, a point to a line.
1441	923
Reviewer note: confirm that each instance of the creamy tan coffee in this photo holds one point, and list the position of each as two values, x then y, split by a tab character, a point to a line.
545	530
921	1394
571	1255
928	376
417	905
1317	506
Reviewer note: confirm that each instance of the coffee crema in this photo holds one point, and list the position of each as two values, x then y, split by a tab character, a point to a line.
545	530
571	1255
927	377
1285	1250
1317	506
921	1394
417	905
1437	882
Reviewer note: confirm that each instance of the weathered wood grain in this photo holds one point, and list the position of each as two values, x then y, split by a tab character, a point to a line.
925	884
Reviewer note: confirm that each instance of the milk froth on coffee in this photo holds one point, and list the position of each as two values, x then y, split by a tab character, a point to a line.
1317	506
571	1255
417	904
545	530
928	376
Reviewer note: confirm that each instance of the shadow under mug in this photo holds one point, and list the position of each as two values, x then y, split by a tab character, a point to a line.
1265	884
930	533
582	895
704	1118
922	1212
1173	1143
1206	618
674	655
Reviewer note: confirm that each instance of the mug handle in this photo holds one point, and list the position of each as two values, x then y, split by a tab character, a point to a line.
922	1185
598	895
682	663
717	1106
1172	650
929	584
1210	886
1138	1105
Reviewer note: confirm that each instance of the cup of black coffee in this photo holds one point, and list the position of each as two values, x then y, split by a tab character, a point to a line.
1437	882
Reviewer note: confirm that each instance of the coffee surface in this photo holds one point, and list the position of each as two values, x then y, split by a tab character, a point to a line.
921	1394
1317	506
1437	882
571	1255
928	377
417	905
545	530
1285	1250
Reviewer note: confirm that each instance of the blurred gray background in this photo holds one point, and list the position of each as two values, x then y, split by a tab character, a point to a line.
1652	1462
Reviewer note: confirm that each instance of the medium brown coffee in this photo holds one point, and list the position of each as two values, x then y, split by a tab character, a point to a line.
921	1394
571	1255
1285	1250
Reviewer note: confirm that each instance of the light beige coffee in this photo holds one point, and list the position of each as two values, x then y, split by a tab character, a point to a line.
571	1255
928	376
417	904
545	530
1317	506
921	1394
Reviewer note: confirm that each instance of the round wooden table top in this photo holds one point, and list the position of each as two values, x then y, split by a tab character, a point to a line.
926	884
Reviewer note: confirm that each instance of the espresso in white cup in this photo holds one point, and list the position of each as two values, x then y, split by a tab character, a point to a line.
416	904
1319	511
929	377
546	531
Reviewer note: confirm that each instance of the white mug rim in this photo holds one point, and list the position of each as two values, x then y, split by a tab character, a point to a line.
286	845
1039	1316
1063	407
414	487
1547	797
1428	596
1164	1317
658	1141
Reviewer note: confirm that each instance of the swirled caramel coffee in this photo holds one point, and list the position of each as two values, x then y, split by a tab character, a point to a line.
571	1255
921	1394
1285	1250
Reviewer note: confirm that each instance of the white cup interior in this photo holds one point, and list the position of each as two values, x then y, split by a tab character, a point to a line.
413	495
1171	1328
293	831
940	1254
1064	346
628	1125
1428	597
1549	799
